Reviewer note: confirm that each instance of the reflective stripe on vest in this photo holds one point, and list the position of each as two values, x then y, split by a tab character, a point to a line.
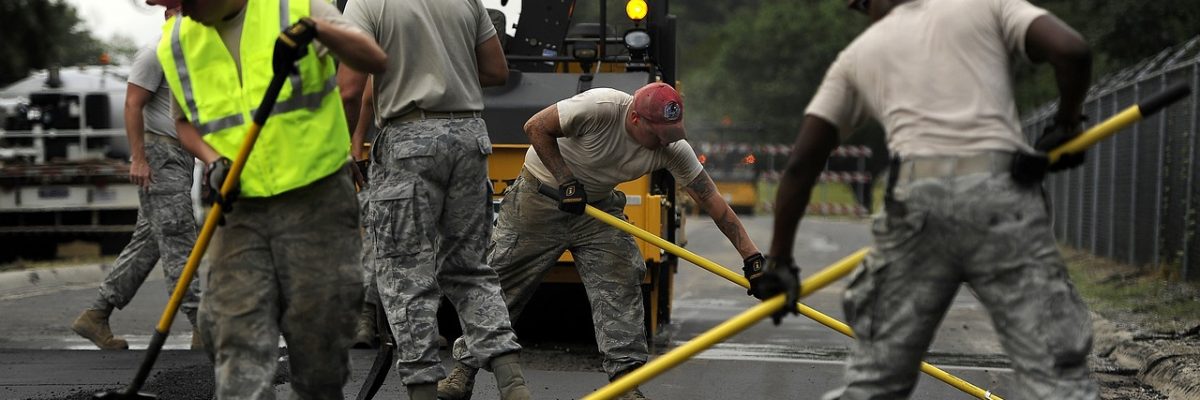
305	138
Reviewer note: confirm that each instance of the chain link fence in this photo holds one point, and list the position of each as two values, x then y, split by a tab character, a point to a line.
1135	200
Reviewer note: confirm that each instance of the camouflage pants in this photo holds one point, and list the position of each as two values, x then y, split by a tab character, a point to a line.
430	218
370	291
165	230
982	230
285	264
532	233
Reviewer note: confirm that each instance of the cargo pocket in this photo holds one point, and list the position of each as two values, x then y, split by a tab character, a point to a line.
485	145
395	221
860	297
1066	327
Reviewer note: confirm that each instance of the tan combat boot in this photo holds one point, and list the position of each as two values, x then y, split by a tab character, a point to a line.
364	332
635	394
459	384
509	378
423	391
93	325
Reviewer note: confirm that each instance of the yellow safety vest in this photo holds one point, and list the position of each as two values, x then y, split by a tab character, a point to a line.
304	139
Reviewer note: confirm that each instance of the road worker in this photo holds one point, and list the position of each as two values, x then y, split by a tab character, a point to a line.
583	147
166	229
429	199
964	202
285	261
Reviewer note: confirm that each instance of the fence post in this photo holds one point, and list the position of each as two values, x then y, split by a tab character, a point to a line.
1095	170
1158	191
1133	176
1189	212
1110	215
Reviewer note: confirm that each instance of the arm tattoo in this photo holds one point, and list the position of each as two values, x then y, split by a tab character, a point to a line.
703	186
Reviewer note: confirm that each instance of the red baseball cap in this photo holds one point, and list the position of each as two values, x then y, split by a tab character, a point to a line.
659	104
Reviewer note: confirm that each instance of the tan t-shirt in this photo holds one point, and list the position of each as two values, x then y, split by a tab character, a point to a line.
431	53
937	74
601	154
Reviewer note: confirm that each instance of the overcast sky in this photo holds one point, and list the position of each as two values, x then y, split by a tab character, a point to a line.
133	18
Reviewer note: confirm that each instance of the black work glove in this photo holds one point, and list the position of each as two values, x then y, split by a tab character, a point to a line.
1030	169
292	45
363	168
782	276
753	268
215	174
572	197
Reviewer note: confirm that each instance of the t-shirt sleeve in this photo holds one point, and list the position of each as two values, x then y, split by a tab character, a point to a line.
329	13
361	15
837	101
146	72
1014	17
586	113
486	28
682	163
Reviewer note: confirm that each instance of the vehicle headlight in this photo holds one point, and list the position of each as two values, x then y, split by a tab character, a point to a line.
637	39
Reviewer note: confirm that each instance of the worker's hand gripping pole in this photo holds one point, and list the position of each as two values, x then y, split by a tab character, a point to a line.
1126	117
161	331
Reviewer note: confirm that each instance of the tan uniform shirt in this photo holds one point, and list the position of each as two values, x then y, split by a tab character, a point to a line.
937	74
601	154
431	53
147	73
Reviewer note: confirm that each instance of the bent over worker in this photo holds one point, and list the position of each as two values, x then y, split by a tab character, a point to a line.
429	210
285	260
963	202
583	147
165	229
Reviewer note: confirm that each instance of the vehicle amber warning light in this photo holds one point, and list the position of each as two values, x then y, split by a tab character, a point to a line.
636	9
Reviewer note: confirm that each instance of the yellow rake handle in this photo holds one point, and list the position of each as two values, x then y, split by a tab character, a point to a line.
733	326
1126	117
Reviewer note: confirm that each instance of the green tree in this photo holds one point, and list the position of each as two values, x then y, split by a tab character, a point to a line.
40	34
769	61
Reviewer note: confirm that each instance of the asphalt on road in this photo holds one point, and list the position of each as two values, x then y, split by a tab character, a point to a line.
799	359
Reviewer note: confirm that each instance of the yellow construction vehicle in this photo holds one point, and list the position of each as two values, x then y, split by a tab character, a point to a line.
553	56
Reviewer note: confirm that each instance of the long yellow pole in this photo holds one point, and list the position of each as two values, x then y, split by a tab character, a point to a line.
839	269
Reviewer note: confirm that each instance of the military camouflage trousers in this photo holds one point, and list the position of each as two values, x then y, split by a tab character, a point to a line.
532	233
979	229
165	230
430	216
285	264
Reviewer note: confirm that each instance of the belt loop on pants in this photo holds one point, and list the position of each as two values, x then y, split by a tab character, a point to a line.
156	138
419	114
916	168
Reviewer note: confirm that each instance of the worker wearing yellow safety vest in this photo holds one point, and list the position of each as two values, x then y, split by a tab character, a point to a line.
964	202
285	259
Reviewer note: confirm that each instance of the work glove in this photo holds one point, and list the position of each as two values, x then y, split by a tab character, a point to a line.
361	171
753	268
1030	169
782	276
215	174
572	197
292	45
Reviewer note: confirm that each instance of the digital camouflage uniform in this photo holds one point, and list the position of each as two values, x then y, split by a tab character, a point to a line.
532	233
165	230
430	220
285	264
981	229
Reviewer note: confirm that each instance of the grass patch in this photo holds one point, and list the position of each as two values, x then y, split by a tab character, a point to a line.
1142	297
824	192
20	265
